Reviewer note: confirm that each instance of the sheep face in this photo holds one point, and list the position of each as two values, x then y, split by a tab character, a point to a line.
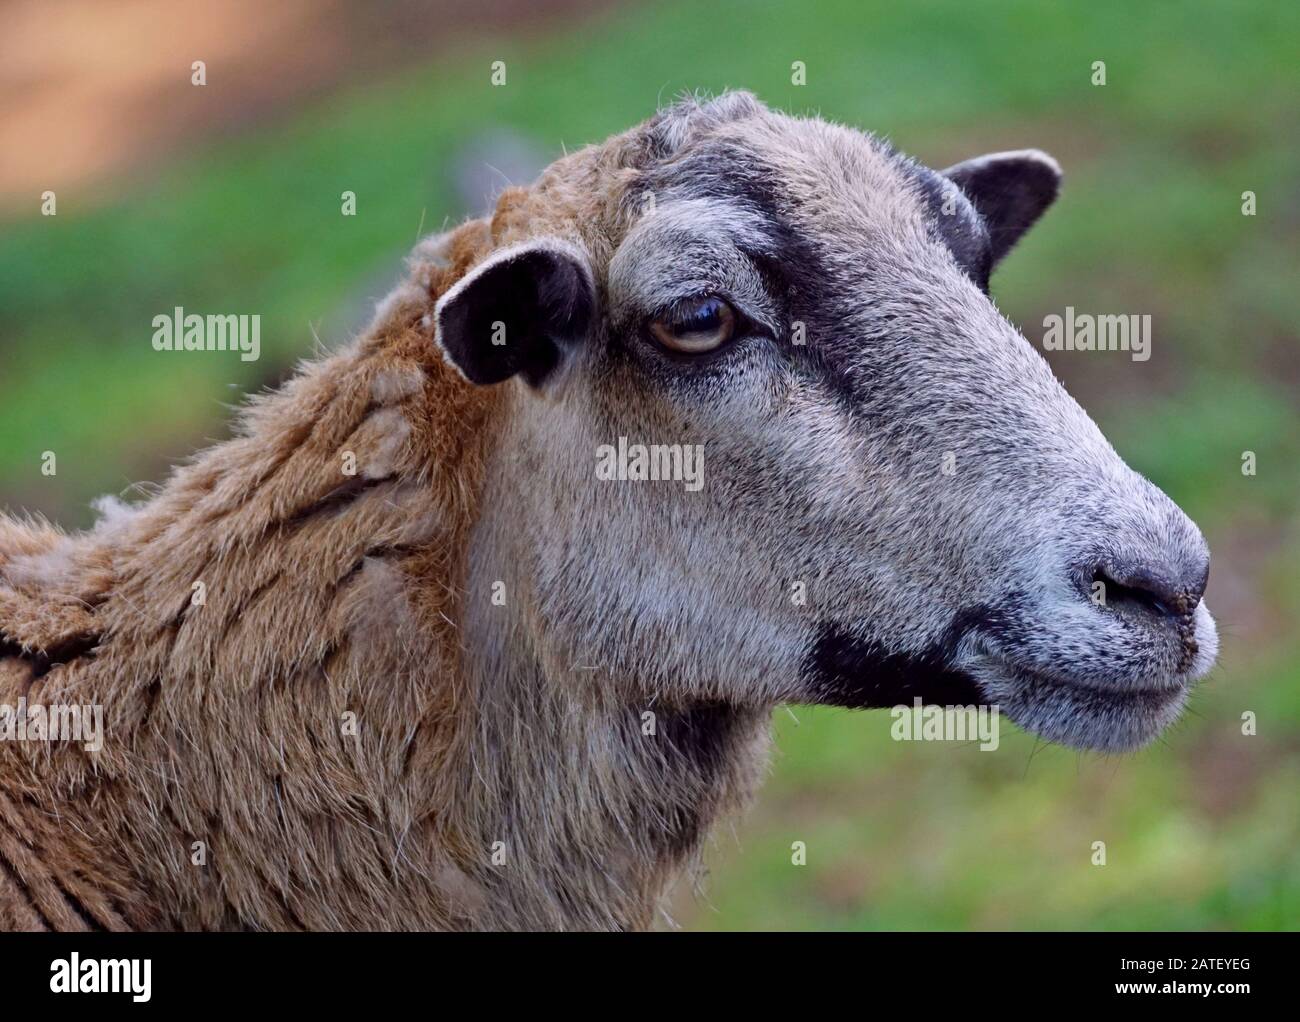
767	438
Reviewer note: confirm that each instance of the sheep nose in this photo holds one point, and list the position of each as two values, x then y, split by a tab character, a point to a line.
1167	590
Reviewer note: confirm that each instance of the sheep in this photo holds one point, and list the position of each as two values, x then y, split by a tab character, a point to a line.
400	656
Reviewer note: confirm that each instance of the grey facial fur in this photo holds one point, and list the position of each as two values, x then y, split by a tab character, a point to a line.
879	436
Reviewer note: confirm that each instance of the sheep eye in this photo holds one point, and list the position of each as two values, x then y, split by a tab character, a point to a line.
695	327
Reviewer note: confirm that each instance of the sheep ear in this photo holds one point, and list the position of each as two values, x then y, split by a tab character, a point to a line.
1010	191
522	310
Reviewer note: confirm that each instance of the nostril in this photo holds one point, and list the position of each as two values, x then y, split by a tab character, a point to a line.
1138	585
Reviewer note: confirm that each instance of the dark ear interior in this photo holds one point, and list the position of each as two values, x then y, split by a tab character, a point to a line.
517	313
1010	191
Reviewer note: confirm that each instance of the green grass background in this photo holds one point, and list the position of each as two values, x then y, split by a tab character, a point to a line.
1200	105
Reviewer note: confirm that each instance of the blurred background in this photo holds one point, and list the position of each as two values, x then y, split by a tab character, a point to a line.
225	197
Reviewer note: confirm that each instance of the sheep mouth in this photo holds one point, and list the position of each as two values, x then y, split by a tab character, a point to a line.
1102	695
1074	712
849	670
